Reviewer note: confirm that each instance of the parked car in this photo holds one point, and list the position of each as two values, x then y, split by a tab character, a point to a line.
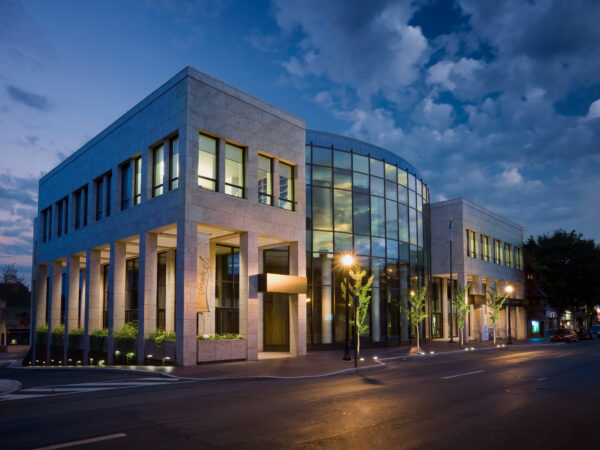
595	331
563	335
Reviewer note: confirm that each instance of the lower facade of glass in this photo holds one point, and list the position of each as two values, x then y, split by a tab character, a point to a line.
368	202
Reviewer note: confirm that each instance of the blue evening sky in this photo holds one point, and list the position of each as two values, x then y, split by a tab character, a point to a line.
498	102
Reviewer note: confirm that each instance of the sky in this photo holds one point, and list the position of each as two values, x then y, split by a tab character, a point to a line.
497	102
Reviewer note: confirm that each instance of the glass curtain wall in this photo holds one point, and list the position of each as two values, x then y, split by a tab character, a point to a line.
366	201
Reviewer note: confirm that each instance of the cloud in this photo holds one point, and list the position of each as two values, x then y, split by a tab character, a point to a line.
594	111
30	99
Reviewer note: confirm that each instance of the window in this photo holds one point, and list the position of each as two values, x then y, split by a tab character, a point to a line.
77	199
59	218
158	170
132	267
137	186
66	214
174	164
47	224
484	247
125	185
471	244
518	258
508	255
108	197
234	170
99	197
207	162
265	180
227	290
161	291
497	251
286	186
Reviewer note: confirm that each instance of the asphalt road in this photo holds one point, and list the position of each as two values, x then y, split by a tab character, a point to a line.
502	399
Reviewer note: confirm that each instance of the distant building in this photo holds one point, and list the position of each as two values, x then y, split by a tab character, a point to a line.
14	327
487	251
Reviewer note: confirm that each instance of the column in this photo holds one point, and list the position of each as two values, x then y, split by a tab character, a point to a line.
53	306
249	292
298	302
81	310
221	166
116	295
202	282
146	291
170	292
326	303
72	301
260	317
42	285
445	320
185	293
92	309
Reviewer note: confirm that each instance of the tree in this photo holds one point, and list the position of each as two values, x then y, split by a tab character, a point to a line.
360	288
416	311
13	288
566	267
462	308
495	302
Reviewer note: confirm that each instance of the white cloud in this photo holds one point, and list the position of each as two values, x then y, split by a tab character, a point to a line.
594	111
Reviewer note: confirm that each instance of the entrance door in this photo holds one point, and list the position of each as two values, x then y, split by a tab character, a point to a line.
276	307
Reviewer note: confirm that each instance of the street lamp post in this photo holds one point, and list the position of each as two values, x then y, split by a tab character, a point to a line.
347	261
508	289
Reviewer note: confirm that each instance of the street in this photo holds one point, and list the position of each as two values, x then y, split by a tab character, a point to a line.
541	397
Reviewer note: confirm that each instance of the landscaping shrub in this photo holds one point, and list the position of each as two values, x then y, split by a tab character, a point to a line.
219	337
159	337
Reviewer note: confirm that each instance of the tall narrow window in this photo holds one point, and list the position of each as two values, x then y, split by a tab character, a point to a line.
99	197
265	180
84	194
234	170
132	267
518	259
59	218
174	164
66	214
484	247
508	255
207	162
161	291
497	251
137	186
47	224
108	197
158	171
78	209
125	185
286	186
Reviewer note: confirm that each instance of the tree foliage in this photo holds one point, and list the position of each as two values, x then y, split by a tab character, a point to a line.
360	286
416	312
495	301
13	288
566	267
462	309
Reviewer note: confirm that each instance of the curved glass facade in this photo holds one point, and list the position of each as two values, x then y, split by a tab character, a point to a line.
364	200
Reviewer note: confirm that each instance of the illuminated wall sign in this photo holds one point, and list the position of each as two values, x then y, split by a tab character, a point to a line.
281	284
535	326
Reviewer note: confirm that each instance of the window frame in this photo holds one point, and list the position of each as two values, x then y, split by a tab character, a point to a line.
158	189
137	180
269	194
292	188
215	180
234	187
173	162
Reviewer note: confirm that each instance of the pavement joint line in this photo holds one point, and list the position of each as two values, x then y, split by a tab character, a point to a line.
83	441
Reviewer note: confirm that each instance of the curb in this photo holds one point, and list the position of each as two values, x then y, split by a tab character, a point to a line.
15	386
100	369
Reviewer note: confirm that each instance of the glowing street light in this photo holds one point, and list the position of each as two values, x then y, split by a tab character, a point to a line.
508	290
347	262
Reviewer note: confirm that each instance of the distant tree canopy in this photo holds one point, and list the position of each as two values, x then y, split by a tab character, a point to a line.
567	268
13	288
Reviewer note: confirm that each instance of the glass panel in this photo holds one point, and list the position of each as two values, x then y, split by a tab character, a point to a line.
207	162
378	246
265	181
234	170
403	251
125	185
174	164
286	186
322	156
323	241
362	224
390	173
362	245
402	177
342	179
391	191
376	167
321	176
360	182
414	255
420	229
419	203
412	182
392	249
342	207
377	216
391	219
413	226
308	154
403	222
402	194
99	202
322	210
419	187
343	241
360	163
342	160
137	187
158	171
377	186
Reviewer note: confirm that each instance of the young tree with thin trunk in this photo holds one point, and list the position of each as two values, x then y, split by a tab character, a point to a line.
495	301
462	309
416	312
360	287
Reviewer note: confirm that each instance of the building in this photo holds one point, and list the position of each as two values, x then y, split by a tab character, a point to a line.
167	217
365	200
14	326
487	252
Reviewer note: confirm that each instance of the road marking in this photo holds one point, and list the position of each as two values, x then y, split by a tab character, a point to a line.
541	379
83	442
564	354
462	374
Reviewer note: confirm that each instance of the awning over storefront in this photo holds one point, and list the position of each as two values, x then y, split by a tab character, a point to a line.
281	284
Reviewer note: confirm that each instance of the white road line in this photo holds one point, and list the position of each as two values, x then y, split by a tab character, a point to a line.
113	383
541	379
20	396
564	354
63	389
83	442
462	374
